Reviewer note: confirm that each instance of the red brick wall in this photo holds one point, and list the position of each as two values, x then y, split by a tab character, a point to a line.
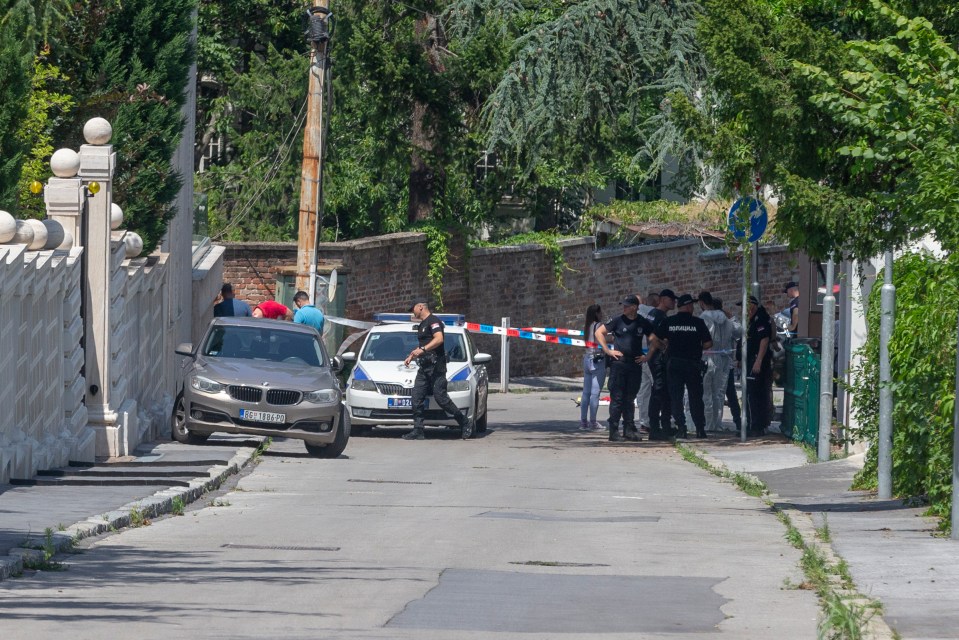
386	273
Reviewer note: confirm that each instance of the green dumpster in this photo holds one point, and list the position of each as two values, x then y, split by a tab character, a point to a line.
801	394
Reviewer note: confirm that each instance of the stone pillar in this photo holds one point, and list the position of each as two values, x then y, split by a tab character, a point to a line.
97	162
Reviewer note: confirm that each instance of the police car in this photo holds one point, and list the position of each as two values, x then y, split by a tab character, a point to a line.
380	388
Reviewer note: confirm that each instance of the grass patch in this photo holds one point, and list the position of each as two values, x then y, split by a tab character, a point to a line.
45	562
746	483
258	454
177	506
823	532
138	518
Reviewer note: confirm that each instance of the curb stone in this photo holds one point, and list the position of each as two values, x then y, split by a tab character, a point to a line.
876	627
158	504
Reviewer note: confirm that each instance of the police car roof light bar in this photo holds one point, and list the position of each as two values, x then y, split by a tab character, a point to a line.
453	319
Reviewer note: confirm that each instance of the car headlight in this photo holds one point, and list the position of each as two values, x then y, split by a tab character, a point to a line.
324	396
458	385
363	385
206	385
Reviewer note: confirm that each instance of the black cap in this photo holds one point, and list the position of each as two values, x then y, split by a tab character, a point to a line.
684	300
752	300
413	306
667	293
789	285
630	300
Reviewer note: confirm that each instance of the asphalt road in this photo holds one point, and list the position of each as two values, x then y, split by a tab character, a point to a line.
534	530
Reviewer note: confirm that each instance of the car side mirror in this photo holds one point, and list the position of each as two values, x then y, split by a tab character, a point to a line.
482	358
349	356
185	349
337	363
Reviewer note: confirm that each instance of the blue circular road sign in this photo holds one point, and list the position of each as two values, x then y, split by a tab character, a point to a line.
748	216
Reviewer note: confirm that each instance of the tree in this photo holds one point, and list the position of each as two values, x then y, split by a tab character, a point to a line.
16	59
129	62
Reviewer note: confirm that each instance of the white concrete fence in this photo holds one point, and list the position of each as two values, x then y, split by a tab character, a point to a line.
86	331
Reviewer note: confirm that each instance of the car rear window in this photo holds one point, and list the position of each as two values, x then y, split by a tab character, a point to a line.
394	346
257	343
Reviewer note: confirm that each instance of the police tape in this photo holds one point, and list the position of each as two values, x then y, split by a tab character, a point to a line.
554	331
528	335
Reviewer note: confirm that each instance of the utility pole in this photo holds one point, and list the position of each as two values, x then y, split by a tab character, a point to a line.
314	143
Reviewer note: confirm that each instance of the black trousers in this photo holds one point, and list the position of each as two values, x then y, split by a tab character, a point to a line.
624	381
758	390
429	381
686	376
660	408
732	399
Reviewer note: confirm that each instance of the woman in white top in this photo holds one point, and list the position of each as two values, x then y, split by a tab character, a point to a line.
594	372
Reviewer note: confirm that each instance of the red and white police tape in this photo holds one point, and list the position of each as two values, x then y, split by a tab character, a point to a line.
528	335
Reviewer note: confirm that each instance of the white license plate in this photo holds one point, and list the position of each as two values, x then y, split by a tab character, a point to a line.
263	416
404	403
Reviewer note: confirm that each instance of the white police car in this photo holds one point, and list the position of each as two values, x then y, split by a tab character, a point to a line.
380	388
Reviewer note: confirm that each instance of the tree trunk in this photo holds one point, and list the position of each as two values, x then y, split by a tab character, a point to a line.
427	175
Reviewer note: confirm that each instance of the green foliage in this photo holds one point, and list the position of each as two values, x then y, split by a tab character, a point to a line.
922	358
438	249
129	62
585	80
16	59
257	194
899	100
698	215
50	105
549	240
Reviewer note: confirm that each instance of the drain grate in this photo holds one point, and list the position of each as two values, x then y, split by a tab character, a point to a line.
389	481
277	547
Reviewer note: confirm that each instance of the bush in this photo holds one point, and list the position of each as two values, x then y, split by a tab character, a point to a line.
923	361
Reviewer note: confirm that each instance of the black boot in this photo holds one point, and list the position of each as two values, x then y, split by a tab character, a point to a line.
682	434
415	434
614	434
631	434
701	434
467	426
658	435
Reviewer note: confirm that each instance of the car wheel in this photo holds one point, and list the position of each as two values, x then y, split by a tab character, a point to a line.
481	423
335	448
178	426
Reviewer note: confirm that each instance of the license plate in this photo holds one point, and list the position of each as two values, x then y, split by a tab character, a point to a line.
404	403
263	416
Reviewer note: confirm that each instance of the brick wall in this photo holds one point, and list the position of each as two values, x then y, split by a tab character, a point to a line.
386	273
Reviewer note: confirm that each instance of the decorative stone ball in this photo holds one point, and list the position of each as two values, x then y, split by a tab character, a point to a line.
55	234
116	216
8	227
65	163
97	131
67	243
39	235
134	244
23	234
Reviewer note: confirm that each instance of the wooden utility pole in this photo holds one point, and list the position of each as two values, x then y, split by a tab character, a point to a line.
314	143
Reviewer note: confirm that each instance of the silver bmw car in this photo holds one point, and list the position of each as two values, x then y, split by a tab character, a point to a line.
261	377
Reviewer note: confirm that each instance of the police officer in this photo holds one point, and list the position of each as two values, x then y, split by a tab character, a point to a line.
660	411
431	377
626	369
759	368
685	337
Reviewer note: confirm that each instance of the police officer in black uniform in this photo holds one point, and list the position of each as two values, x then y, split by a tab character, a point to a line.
431	377
685	336
626	369
759	368
660	412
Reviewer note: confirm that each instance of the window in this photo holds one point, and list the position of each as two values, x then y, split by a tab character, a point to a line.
249	343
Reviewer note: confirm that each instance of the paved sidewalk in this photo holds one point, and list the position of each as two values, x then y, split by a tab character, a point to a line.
79	502
892	550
